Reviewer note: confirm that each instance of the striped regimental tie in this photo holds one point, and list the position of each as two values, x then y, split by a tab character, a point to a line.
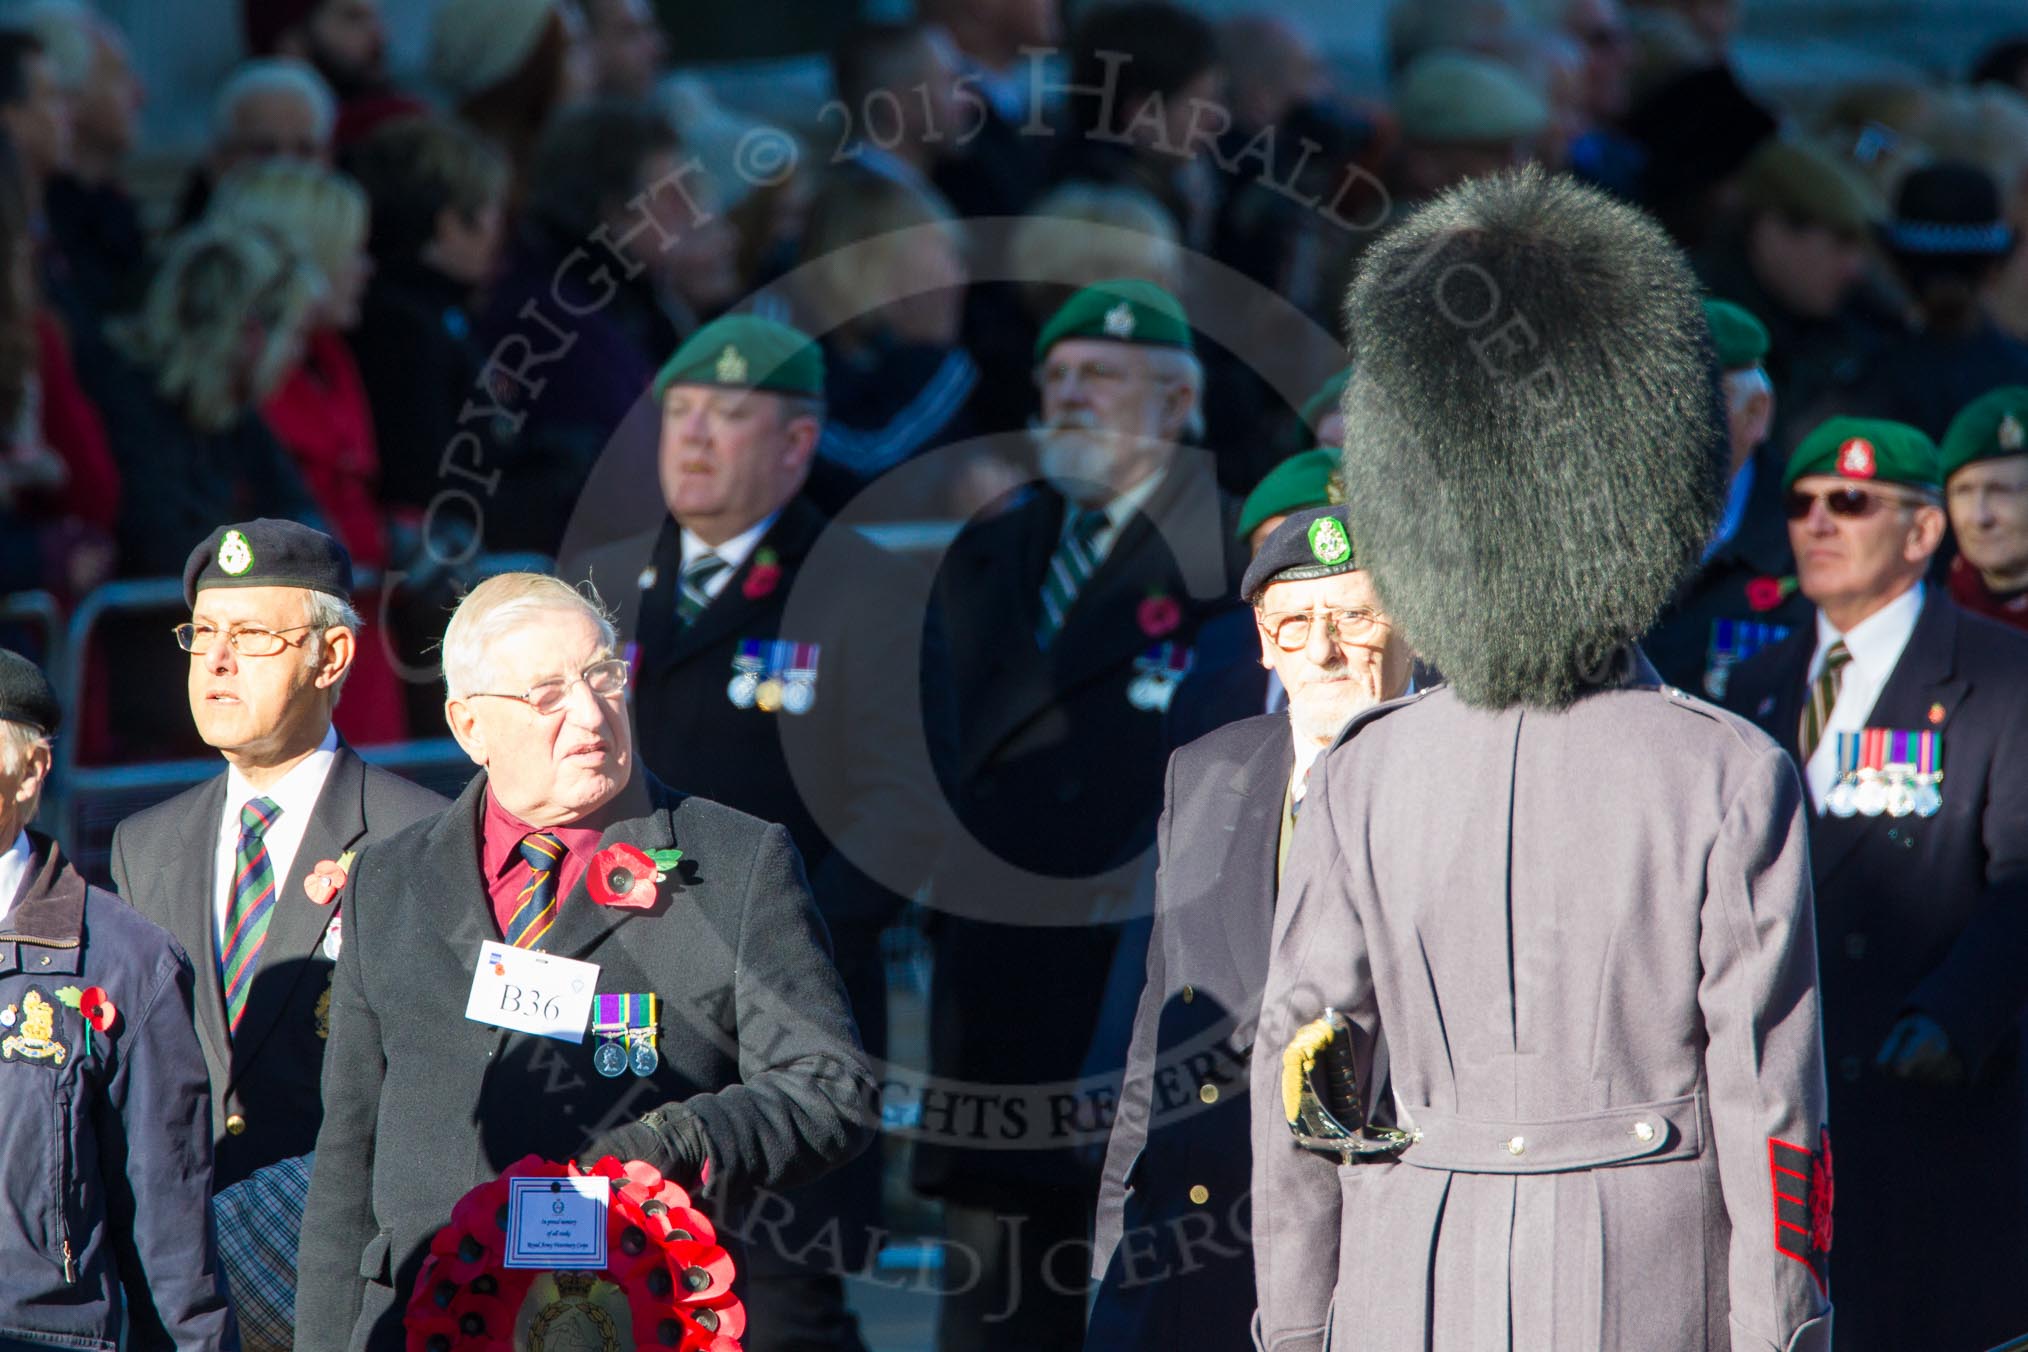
251	906
1823	697
692	597
1070	567
535	908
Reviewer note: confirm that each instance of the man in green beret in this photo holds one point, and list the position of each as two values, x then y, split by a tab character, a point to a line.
1909	720
1073	616
1228	682
777	660
1743	596
1985	468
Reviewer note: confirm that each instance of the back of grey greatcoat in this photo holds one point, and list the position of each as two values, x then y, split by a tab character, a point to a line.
1586	938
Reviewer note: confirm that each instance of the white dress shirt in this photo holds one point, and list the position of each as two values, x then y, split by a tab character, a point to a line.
13	876
734	551
296	794
1875	644
1118	513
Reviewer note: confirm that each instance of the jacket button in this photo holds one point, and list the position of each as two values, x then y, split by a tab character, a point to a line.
1208	1093
1199	1193
1189	994
1644	1132
1516	1145
1848	1066
235	1125
1855	946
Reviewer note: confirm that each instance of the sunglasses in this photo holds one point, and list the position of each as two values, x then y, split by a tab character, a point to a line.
1851	503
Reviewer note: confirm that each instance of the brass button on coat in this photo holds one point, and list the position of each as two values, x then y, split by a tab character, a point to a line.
1199	1193
234	1124
1208	1093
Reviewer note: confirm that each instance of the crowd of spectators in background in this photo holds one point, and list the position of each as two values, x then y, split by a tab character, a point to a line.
363	292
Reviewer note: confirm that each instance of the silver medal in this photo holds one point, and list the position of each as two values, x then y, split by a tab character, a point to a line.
741	689
1838	802
645	1060
610	1060
1928	801
799	696
1870	798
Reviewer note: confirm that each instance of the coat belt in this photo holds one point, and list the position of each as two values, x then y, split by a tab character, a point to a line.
1641	1133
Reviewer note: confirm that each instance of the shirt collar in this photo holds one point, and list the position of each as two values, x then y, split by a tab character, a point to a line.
501	834
733	551
295	793
1876	641
1122	508
14	868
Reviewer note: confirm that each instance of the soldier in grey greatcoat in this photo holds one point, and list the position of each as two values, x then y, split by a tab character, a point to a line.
1570	903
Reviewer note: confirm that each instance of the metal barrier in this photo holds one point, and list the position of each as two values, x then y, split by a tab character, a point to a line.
87	801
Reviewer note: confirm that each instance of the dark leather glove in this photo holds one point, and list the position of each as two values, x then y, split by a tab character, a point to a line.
671	1139
1919	1051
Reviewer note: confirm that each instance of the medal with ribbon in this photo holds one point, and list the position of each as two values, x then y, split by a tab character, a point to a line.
1928	773
1870	797
1839	802
625	1026
1162	668
1900	773
767	696
748	666
799	677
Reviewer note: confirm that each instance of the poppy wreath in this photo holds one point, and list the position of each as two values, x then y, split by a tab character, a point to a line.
666	1273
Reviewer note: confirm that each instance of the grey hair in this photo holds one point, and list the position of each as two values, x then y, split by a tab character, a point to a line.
1743	384
19	741
332	612
502	604
1174	366
274	75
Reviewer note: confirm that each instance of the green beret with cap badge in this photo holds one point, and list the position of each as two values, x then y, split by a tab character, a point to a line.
1124	310
1868	450
1321	404
1992	426
747	352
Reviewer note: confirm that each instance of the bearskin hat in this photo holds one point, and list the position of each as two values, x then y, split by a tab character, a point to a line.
1535	448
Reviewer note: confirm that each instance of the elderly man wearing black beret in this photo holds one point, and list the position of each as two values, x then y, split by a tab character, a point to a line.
105	1156
1172	1258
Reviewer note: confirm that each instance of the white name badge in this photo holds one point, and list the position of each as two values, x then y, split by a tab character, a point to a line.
557	1223
530	992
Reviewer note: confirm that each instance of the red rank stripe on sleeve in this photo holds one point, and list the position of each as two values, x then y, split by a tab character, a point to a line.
1802	1204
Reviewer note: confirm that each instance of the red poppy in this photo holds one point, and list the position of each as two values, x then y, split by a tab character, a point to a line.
761	580
1766	593
98	1009
1159	615
621	875
424	1327
326	880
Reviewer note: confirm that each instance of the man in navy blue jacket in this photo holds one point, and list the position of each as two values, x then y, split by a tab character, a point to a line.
105	1111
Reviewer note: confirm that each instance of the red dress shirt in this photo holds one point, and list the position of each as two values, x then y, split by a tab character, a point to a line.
506	872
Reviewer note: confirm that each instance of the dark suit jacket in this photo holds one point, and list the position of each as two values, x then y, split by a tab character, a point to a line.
163	865
423	1104
1927	914
855	780
1182	1121
1060	783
